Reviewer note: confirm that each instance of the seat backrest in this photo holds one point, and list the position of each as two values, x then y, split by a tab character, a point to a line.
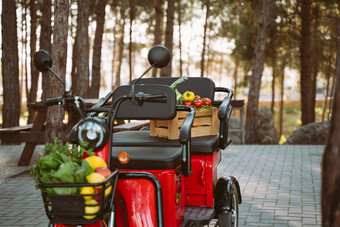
202	86
157	109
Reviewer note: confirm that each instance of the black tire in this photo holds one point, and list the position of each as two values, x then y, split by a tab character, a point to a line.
224	219
230	219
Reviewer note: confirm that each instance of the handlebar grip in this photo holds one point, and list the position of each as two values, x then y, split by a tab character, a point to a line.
57	101
52	101
144	97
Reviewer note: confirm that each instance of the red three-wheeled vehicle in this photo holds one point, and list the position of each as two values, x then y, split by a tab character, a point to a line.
156	181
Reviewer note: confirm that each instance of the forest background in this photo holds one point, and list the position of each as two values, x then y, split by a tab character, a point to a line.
278	53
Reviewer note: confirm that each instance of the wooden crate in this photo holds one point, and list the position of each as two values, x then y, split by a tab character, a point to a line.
205	124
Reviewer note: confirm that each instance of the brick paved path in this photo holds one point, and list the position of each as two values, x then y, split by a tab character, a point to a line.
280	186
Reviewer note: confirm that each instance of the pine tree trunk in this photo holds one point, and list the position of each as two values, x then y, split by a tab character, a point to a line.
330	197
45	39
166	71
274	75
205	36
179	8
282	80
113	62
32	96
55	114
74	64
328	75
132	18
82	49
209	55
10	65
23	74
255	80
315	53
120	47
306	77
331	100
97	49
159	14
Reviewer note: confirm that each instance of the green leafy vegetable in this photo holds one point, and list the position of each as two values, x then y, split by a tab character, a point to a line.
63	164
174	86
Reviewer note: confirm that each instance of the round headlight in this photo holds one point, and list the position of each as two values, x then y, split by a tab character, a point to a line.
94	131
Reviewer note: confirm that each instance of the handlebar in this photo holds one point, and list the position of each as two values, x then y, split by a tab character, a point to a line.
79	104
141	97
52	101
66	100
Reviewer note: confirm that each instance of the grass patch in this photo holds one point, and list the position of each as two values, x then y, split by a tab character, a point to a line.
291	110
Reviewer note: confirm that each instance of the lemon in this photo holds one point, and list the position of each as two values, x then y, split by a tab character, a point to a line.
94	178
108	190
95	162
87	190
91	209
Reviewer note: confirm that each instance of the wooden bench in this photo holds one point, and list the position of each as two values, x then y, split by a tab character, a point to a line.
34	134
19	134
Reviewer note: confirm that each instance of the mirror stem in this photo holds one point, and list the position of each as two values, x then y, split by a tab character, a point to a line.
56	75
132	93
151	66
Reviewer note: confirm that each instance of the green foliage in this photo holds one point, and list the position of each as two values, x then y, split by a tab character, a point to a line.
75	152
291	110
62	165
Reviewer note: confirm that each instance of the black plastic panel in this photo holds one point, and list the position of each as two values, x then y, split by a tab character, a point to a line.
162	110
202	86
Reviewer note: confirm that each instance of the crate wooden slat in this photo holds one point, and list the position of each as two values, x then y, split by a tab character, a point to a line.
205	124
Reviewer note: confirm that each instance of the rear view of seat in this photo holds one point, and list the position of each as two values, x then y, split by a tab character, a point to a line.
202	86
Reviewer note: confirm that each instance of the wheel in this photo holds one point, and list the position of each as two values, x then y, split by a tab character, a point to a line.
230	219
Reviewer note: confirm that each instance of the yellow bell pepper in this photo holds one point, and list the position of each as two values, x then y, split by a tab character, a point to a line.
189	96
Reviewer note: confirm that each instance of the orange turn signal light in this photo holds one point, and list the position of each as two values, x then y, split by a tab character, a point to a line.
123	157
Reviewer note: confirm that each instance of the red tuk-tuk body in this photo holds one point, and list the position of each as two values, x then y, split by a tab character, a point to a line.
199	186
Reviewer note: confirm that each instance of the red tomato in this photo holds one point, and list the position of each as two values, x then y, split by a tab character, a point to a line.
185	103
197	97
207	102
198	103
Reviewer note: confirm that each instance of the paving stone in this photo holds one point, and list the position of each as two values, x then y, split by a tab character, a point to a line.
289	172
280	225
294	223
266	215
309	221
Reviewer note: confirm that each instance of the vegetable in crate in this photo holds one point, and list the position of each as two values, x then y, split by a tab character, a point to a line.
185	103
207	102
174	86
63	164
198	103
189	96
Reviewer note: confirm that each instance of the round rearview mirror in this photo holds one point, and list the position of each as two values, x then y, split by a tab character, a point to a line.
159	56
42	60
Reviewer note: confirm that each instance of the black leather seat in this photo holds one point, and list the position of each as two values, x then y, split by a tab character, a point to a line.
199	145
